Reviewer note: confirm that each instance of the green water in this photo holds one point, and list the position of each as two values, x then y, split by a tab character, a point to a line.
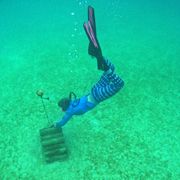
133	135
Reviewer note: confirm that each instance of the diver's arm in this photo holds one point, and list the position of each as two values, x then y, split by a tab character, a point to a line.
64	120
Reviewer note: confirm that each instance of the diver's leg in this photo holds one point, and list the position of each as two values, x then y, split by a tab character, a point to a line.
101	93
106	78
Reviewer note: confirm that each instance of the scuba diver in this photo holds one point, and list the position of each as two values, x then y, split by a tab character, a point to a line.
108	85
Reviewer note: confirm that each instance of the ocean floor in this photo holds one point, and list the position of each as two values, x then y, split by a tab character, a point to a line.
133	135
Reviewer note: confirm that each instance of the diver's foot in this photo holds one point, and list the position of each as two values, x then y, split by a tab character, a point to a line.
109	64
101	63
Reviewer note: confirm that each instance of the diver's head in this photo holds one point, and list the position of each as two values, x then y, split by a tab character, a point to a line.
64	103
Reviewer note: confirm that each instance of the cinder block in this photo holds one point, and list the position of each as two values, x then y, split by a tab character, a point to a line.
53	144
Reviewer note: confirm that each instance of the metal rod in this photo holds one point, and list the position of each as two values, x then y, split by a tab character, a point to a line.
46	114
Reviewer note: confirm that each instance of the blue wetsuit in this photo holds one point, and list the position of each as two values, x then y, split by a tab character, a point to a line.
108	85
76	107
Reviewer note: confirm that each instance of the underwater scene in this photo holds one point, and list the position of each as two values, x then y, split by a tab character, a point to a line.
133	134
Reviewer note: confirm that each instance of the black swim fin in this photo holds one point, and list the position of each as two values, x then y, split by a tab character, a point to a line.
94	48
